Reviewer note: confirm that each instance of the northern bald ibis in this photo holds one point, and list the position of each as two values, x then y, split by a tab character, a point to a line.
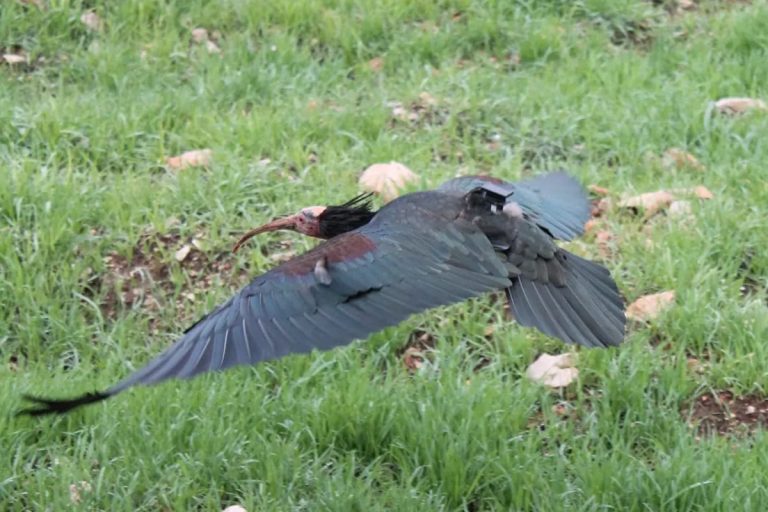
470	236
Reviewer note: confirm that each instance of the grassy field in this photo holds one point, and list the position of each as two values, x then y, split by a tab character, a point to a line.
298	99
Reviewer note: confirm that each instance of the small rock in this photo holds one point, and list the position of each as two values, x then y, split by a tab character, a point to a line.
199	35
703	192
553	371
182	253
650	202
606	243
598	190
676	158
376	64
386	179
649	307
194	158
732	106
14	58
92	20
680	209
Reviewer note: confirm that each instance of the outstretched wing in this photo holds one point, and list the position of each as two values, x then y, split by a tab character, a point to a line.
557	292
586	309
408	259
555	202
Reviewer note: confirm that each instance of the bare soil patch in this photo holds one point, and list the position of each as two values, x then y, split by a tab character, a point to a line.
725	414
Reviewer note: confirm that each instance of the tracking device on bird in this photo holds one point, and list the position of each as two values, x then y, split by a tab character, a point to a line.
491	194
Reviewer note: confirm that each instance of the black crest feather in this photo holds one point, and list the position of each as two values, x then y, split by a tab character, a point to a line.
339	219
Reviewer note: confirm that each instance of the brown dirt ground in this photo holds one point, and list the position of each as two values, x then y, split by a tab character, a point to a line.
418	349
723	413
143	279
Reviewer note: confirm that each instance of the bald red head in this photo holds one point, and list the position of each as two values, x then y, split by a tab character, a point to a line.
306	222
319	221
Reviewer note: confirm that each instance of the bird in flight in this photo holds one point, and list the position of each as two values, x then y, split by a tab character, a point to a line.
471	235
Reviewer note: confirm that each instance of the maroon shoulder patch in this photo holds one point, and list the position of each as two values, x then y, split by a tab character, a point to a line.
341	248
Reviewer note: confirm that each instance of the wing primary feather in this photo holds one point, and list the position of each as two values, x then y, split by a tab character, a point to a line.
385	307
353	310
238	351
577	331
445	291
193	363
520	308
607	295
479	282
297	340
254	331
224	347
330	337
593	316
270	347
550	323
347	323
163	366
603	302
599	284
247	341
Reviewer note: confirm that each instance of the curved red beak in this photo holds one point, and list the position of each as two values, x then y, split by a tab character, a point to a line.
288	222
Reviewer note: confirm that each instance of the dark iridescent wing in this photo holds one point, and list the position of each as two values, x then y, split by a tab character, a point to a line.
587	309
555	291
556	202
406	260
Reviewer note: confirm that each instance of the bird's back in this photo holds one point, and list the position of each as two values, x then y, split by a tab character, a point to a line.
555	201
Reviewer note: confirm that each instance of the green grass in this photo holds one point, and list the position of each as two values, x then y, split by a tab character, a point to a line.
600	86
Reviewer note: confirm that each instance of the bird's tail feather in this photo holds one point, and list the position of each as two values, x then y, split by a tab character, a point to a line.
587	311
